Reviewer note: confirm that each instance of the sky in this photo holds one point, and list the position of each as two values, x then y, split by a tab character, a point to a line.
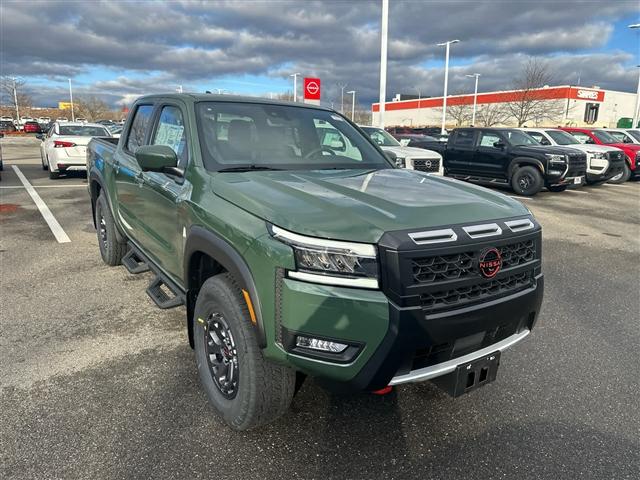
120	50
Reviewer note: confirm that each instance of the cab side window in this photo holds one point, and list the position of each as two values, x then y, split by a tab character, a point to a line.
539	137
488	139
139	127
171	132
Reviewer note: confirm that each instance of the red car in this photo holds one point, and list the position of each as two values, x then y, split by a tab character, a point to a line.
31	127
600	136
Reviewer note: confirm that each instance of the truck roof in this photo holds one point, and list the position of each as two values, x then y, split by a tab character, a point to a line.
212	97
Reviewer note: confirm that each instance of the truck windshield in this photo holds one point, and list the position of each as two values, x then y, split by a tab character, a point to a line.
517	137
256	136
562	138
381	137
605	137
635	134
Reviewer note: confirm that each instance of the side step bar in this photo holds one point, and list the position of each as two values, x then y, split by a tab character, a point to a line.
162	290
134	263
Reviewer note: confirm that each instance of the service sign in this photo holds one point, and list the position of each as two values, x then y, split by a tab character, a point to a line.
311	88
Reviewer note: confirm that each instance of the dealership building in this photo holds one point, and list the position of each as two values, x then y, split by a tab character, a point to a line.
568	105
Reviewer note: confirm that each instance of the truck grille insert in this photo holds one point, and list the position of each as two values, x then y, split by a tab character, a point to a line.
465	296
462	265
425	165
577	165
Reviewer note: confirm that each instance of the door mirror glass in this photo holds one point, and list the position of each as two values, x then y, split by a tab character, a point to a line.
499	144
391	156
156	158
40	136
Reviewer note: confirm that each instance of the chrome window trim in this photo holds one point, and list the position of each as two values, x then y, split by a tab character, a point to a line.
449	366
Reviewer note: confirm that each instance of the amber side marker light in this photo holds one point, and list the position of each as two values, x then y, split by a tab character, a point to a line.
252	312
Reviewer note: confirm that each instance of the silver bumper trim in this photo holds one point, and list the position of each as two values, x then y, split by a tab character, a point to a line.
449	366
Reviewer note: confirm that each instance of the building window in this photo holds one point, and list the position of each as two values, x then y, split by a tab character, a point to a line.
591	112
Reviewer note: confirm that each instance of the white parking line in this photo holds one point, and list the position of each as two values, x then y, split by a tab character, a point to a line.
521	198
576	191
55	227
612	185
45	186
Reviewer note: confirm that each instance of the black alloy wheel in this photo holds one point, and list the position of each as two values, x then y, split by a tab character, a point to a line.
222	355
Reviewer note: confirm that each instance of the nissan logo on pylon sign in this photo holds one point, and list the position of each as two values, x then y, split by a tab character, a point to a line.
312	89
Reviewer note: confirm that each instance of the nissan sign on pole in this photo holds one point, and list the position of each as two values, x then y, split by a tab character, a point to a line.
312	90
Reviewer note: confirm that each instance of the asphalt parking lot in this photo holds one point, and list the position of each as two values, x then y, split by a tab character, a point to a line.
98	383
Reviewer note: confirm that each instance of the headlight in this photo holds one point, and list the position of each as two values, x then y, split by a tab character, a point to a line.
556	158
401	162
598	155
331	262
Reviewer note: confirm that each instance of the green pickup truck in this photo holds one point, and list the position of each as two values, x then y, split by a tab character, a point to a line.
295	256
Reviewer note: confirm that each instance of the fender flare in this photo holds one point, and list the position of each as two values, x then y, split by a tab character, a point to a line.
524	161
202	240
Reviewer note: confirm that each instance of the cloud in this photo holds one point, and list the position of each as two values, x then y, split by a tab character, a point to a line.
170	43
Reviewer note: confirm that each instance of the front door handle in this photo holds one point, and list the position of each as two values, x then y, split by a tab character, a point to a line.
139	179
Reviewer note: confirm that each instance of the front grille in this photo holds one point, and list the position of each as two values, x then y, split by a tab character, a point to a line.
615	156
459	297
465	264
426	165
577	165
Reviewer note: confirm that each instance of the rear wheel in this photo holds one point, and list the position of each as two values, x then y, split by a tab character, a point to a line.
557	188
111	249
622	176
527	181
246	389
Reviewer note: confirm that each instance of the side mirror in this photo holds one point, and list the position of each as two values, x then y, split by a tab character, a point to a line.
40	136
499	144
156	158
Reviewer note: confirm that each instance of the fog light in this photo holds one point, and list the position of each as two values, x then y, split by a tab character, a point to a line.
321	345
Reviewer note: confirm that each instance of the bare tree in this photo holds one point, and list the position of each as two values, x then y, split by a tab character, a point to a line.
527	102
13	93
460	112
286	96
91	108
492	114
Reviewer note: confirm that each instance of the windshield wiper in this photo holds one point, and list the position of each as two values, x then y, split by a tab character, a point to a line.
247	168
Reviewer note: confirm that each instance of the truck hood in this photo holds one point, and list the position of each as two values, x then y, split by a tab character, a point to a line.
590	147
360	205
412	152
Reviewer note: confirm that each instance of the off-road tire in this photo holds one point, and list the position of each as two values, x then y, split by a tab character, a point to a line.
264	389
44	167
557	188
534	181
624	176
111	249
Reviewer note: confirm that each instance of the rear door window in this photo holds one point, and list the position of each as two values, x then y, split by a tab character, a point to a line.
171	132
463	138
139	127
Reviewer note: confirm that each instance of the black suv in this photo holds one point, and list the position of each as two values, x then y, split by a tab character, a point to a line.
511	157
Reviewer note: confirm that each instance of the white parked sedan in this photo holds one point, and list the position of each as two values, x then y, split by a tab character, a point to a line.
64	146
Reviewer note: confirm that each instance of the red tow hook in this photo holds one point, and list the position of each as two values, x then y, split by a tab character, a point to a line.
383	391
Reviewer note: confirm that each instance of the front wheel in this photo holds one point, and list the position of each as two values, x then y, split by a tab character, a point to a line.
527	181
622	176
246	389
557	188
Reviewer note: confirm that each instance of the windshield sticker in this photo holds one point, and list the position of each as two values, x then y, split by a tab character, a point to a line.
337	117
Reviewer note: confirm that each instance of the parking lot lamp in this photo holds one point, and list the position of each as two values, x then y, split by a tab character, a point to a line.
446	81
353	104
475	98
15	99
636	111
384	27
295	86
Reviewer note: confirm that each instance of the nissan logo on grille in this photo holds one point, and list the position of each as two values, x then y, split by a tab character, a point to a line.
490	262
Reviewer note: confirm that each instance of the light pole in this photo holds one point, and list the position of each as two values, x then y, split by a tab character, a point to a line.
475	98
353	104
15	99
342	87
295	86
73	118
384	27
446	82
636	111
